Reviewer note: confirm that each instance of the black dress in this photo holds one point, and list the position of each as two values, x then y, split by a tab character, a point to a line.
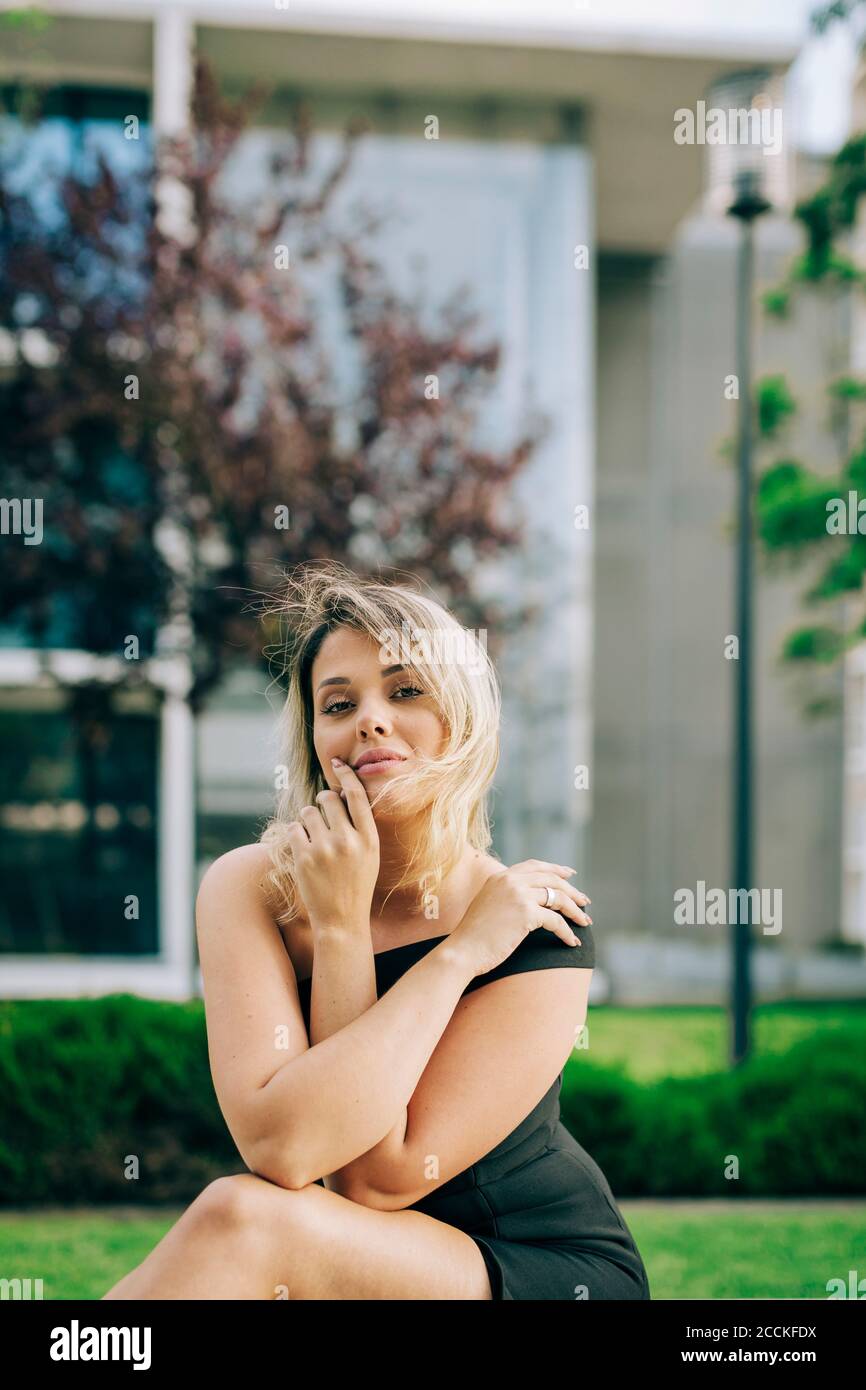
538	1206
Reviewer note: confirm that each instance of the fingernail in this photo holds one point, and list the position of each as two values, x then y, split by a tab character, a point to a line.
337	762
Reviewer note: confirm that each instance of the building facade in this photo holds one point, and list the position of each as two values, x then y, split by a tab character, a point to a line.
557	192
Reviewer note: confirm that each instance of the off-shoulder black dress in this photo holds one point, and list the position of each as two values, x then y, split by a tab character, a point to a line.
538	1206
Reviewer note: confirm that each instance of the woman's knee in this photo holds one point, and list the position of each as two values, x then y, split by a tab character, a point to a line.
235	1200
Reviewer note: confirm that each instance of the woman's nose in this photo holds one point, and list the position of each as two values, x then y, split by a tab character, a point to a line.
372	719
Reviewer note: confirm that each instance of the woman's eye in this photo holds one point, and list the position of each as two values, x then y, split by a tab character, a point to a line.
335	704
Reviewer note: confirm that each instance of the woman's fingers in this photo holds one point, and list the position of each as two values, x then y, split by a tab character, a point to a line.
297	834
333	808
534	866
551	921
357	801
566	898
311	817
528	865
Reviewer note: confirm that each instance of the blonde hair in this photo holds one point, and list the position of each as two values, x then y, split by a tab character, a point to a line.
324	595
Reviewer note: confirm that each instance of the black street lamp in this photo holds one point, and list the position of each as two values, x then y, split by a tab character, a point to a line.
749	203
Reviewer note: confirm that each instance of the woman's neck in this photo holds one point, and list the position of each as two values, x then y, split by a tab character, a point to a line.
402	905
397	841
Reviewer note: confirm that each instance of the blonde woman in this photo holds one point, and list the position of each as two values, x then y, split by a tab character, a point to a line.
389	1007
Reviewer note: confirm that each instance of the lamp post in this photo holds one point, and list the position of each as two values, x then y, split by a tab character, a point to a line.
747	175
749	203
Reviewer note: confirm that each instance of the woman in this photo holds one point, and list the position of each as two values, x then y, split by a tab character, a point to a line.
389	1008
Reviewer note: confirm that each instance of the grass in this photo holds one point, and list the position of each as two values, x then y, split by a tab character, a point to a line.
702	1250
747	1249
650	1043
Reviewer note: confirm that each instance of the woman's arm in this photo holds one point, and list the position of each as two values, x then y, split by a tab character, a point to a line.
343	986
336	861
343	983
336	1101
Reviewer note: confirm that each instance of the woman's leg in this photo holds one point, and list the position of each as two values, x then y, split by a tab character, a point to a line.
246	1238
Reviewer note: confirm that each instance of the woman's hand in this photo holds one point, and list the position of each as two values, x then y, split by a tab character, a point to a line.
511	904
335	845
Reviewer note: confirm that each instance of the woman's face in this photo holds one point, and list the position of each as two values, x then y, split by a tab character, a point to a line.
361	705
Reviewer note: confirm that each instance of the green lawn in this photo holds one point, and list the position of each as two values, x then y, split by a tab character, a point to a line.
747	1249
691	1249
652	1043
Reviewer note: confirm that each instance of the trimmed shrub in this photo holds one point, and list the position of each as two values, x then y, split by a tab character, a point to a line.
85	1084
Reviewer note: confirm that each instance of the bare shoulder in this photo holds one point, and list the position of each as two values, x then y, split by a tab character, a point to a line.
488	865
247	866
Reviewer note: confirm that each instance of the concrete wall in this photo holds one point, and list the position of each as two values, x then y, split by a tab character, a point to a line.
664	591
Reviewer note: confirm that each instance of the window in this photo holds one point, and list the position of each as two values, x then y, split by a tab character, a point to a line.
78	822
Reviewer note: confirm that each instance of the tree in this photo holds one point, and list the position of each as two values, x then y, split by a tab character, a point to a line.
169	397
800	512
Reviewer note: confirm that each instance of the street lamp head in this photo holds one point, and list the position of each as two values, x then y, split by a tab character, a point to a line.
747	154
749	201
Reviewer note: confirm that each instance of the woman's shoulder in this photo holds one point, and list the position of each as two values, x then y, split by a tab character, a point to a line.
489	864
248	864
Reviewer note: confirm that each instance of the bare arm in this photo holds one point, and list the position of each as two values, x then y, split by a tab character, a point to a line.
327	1106
336	859
256	1032
343	984
502	1050
343	987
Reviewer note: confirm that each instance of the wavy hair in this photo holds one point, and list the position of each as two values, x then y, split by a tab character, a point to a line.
318	598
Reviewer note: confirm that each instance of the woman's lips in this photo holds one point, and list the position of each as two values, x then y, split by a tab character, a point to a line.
382	765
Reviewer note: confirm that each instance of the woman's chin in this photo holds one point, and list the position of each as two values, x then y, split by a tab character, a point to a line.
392	809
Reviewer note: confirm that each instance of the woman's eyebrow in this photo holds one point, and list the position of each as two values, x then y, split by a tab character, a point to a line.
344	680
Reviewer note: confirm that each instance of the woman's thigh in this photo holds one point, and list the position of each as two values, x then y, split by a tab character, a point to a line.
319	1245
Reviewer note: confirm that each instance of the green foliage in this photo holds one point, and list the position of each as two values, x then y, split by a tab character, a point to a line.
775	404
813	644
791	505
791	502
84	1084
31	18
777	302
847	388
820	264
793	510
796	1123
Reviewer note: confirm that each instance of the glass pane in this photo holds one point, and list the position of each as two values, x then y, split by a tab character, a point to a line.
77	828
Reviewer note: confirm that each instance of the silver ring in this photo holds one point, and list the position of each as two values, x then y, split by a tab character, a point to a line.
551	894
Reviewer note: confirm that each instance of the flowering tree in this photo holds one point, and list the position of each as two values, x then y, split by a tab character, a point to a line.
167	394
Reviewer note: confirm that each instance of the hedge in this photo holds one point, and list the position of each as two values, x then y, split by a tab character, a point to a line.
85	1084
